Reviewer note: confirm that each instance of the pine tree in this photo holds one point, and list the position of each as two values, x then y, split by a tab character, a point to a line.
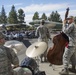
36	16
3	17
21	16
12	18
44	16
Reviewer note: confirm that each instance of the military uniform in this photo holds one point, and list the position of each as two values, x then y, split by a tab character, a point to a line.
69	53
7	57
43	35
70	31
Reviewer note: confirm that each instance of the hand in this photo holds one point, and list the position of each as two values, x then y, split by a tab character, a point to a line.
64	22
15	66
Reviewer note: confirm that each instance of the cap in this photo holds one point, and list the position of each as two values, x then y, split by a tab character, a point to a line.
2	35
42	21
71	17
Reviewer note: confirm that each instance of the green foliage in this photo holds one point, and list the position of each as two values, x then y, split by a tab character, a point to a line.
44	16
3	17
21	16
36	16
54	16
32	23
12	19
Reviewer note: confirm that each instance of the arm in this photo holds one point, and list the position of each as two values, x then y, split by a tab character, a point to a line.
14	58
48	34
69	29
64	26
37	32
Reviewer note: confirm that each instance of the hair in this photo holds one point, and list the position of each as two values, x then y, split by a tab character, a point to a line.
42	22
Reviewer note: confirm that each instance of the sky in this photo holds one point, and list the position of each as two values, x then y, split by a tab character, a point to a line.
41	6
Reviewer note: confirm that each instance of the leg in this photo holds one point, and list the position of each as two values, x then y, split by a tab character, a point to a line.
45	56
66	59
41	57
73	62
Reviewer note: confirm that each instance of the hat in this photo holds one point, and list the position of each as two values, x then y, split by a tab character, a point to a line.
71	17
1	35
42	21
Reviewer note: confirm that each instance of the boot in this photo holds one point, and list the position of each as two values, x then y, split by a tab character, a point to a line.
45	60
72	69
64	72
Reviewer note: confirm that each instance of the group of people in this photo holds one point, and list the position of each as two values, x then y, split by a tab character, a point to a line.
8	56
69	55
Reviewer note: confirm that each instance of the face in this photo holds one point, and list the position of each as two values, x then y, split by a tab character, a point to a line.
70	20
2	41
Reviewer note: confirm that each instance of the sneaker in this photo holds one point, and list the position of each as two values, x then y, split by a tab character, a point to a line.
72	70
64	72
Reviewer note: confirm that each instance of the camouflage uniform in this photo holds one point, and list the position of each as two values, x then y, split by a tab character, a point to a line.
69	53
7	57
42	32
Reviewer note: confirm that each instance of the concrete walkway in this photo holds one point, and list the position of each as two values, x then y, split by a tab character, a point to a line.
49	69
45	66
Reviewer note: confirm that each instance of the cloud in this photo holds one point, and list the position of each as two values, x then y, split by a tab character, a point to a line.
16	4
28	17
71	13
43	7
47	9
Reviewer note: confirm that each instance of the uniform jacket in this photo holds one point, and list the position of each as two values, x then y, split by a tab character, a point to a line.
7	57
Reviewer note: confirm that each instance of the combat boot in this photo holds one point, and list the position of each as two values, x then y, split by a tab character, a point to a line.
72	70
64	72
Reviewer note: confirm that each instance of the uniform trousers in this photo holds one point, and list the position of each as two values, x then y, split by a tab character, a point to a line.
69	56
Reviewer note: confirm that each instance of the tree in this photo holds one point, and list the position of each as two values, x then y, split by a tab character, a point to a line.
54	16
12	19
36	16
21	16
3	17
44	16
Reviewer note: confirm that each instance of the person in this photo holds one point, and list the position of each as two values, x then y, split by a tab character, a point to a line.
43	34
69	53
7	58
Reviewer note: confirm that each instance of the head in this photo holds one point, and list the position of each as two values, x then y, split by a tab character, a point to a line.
42	22
2	38
71	19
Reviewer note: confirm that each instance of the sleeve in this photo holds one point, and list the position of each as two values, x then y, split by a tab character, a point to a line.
64	27
14	57
69	29
37	32
48	33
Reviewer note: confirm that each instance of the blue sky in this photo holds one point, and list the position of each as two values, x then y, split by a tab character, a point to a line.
41	6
